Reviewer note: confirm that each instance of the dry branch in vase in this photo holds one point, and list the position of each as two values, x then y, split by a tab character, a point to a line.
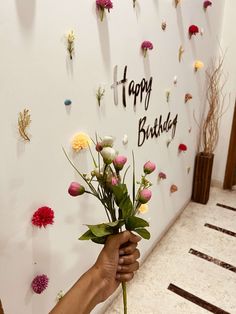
23	123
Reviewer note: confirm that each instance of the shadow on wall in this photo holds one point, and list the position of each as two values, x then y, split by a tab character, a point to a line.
26	13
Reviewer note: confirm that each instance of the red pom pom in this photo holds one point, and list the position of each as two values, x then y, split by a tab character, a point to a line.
193	30
43	216
182	147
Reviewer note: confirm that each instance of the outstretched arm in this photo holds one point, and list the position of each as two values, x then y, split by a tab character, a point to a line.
117	262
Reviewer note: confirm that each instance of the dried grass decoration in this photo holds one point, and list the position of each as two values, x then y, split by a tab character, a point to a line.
23	123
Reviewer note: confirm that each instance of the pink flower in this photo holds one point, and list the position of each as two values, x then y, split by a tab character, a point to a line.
146	45
104	4
144	196
162	175
114	181
206	4
119	162
193	30
149	167
42	217
39	284
76	189
182	147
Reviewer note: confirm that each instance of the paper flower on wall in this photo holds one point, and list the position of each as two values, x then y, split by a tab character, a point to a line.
162	176
187	97
181	51
39	283
143	208
182	148
173	188
175	79
60	295
198	65
42	217
206	4
177	2
163	25
23	124
103	5
134	3
100	94
80	141
70	43
146	45
193	30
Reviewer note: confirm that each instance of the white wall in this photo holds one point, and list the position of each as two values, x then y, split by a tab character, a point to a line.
228	44
35	73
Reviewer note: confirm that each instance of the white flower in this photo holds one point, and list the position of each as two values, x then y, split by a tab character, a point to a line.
108	155
107	141
125	139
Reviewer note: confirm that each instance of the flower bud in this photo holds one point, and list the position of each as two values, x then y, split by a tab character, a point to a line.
76	189
98	147
149	167
108	155
114	181
144	196
107	141
119	162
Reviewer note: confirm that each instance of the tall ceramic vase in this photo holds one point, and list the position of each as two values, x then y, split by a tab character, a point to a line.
202	177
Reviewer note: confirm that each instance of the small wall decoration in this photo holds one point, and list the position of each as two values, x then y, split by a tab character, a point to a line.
42	217
67	102
100	94
188	170
23	123
169	140
193	30
60	295
134	3
40	283
201	31
181	51
198	65
125	139
162	176
163	25
102	5
70	43
206	4
182	148
173	188
146	45
187	97
167	95
80	141
177	2
175	80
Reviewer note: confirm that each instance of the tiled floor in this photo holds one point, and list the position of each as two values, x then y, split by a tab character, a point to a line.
172	263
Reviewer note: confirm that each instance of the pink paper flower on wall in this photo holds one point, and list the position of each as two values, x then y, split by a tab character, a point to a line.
182	147
162	175
173	188
193	30
42	217
102	5
146	45
206	4
39	283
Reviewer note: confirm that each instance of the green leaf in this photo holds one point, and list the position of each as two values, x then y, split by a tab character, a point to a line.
126	206
134	222
88	235
143	233
101	240
100	230
120	191
117	223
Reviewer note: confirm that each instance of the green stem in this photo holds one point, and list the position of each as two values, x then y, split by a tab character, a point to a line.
124	297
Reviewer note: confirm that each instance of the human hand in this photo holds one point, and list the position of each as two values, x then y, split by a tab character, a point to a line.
117	262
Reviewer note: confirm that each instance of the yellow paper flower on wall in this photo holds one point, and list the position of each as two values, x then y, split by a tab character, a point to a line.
70	43
80	141
198	65
143	208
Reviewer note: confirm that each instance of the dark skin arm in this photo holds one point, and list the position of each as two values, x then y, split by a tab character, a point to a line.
116	263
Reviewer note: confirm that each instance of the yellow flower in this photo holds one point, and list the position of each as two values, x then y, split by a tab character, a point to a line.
198	65
80	141
70	36
143	208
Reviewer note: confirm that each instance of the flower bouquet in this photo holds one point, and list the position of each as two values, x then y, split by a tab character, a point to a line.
107	183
